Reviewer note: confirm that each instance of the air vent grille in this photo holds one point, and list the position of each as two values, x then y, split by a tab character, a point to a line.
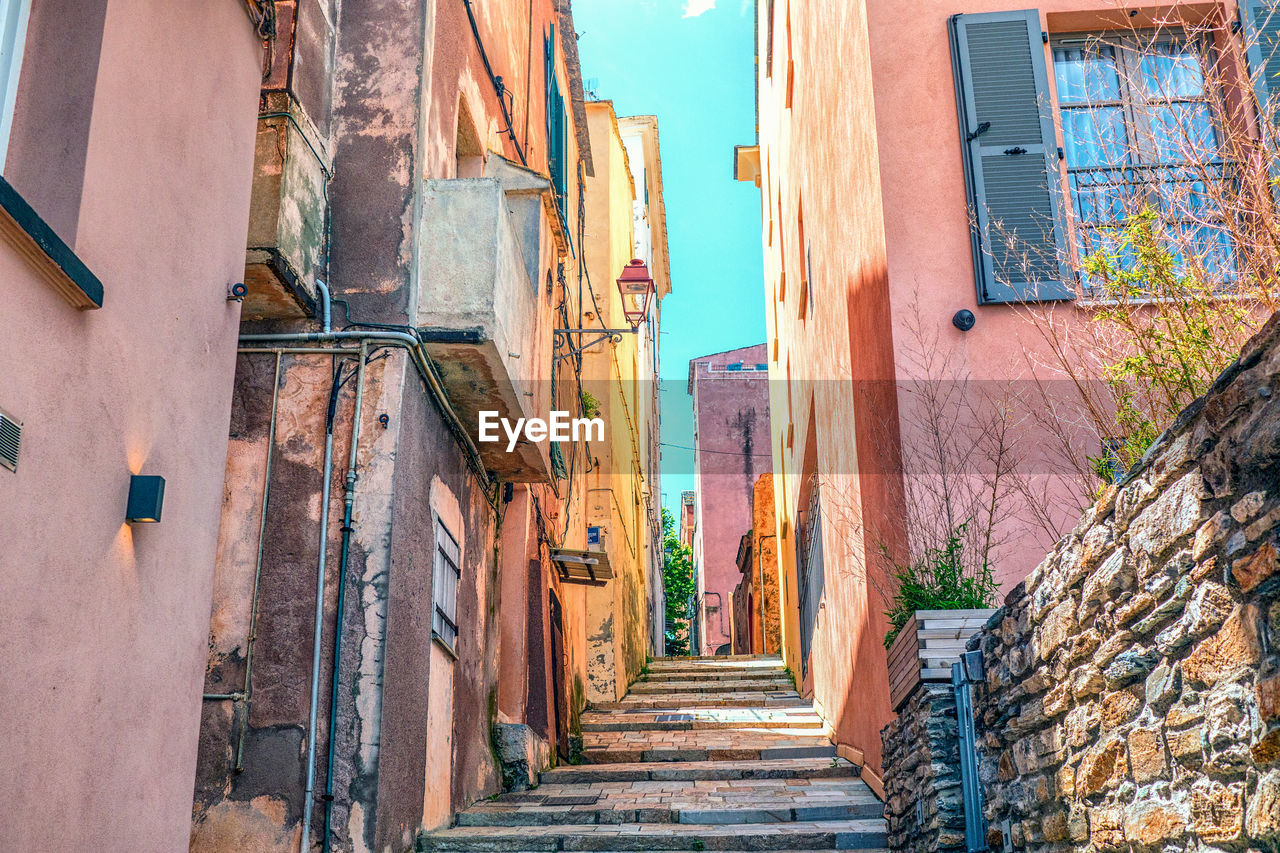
10	441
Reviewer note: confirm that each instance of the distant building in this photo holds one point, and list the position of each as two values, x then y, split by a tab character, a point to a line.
731	450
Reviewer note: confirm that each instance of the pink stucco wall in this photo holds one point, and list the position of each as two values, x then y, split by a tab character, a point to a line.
102	626
731	437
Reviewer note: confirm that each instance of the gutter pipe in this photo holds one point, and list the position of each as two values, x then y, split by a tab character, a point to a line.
413	343
316	643
348	503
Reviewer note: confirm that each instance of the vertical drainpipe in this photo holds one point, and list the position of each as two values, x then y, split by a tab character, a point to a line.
319	615
348	502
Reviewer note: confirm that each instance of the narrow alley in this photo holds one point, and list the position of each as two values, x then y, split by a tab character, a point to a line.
700	754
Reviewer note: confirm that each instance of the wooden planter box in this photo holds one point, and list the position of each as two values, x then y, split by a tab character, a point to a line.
926	647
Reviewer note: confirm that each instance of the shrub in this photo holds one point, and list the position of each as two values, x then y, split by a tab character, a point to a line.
938	580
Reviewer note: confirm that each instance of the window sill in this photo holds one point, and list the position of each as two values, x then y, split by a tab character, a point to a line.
55	261
448	649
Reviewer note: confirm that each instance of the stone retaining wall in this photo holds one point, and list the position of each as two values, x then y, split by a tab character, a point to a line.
922	774
1132	699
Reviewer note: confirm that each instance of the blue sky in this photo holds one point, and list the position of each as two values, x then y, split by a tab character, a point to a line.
690	63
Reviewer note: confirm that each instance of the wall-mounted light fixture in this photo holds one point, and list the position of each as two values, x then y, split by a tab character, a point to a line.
963	319
146	499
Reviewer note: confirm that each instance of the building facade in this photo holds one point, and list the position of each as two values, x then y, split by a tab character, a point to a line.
125	199
730	393
882	294
408	605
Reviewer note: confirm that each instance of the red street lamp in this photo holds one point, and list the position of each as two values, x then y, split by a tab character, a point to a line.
636	288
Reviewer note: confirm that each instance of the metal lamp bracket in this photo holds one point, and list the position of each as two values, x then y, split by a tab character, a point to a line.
601	335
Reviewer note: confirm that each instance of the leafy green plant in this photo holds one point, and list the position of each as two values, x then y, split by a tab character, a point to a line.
1173	330
678	585
590	405
939	580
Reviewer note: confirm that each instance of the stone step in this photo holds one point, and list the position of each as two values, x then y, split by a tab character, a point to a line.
711	718
628	755
714	659
856	834
695	771
683	702
753	684
716	675
762	812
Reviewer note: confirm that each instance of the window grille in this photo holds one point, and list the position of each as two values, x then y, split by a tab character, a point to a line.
444	621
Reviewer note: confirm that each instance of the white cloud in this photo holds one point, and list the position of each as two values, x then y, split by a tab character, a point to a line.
694	8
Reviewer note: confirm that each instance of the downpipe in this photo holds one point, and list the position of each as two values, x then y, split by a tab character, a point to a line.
319	615
348	504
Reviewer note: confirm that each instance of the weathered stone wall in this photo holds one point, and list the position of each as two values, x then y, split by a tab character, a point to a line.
1132	699
922	774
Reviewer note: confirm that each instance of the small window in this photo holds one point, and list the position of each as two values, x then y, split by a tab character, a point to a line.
444	620
13	35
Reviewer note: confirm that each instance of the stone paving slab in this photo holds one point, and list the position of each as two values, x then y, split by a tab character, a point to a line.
689	771
797	835
762	685
722	675
658	719
681	701
704	802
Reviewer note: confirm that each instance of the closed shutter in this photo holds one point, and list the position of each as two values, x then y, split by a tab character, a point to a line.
556	128
1010	157
1260	20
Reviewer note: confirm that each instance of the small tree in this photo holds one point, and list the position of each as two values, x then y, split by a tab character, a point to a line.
677	584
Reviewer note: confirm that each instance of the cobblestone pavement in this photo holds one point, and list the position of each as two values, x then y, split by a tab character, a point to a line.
702	754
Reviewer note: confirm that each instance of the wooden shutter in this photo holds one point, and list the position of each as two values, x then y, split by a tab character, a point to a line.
1010	157
1260	20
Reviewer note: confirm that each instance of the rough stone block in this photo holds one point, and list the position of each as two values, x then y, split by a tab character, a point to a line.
1159	527
1267	694
1057	627
1219	655
1217	810
1163	686
1248	506
1147	761
1210	534
1103	767
1262	821
1122	706
1149	824
1186	746
1252	570
1106	828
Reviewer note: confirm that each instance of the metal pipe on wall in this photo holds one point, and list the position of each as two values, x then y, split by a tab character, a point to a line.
246	693
327	474
348	505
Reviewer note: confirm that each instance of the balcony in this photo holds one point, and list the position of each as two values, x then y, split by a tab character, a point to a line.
286	240
481	304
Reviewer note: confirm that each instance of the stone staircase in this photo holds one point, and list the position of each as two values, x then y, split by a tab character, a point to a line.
701	754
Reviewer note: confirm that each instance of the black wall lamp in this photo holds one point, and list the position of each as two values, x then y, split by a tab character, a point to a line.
146	499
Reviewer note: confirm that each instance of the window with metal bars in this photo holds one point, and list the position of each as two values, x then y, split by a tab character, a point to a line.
1138	131
811	575
447	574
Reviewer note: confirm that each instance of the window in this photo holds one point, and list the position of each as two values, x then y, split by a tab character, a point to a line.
1137	131
444	620
811	576
13	34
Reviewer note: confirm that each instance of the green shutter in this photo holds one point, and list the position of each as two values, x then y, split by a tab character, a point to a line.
1010	157
1260	20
